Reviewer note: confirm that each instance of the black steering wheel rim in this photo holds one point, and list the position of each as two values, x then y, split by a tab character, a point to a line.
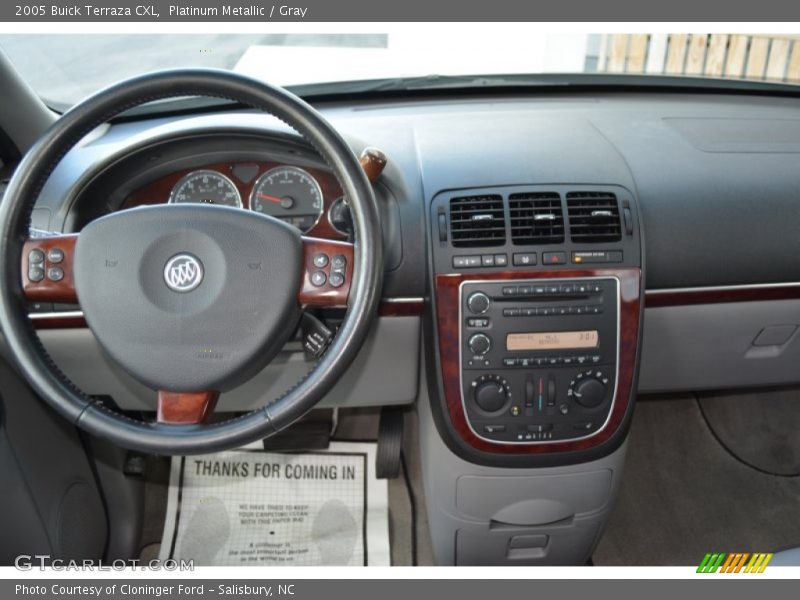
15	212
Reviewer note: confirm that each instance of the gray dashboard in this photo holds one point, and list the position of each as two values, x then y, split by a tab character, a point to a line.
716	179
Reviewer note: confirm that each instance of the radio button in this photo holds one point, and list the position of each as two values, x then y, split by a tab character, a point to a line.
540	427
501	260
477	322
554	258
494	428
478	303
509	291
487	260
479	344
524	259
491	395
524	290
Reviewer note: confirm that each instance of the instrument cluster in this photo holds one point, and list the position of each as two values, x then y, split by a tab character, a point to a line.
300	196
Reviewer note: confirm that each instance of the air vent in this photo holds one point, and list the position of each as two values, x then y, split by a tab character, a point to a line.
593	217
536	218
477	221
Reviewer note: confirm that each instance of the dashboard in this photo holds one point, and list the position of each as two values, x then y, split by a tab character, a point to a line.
692	237
547	258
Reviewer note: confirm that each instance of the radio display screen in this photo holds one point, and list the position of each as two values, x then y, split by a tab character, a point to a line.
555	340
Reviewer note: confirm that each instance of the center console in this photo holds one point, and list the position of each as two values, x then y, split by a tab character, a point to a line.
538	357
537	305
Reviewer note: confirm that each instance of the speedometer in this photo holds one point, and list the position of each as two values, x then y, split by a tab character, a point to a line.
206	187
290	194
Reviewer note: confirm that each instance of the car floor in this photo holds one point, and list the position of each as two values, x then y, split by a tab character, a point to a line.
705	473
408	525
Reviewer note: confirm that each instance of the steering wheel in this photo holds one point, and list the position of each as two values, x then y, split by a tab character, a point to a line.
190	299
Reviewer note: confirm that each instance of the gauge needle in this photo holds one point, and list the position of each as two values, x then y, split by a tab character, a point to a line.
268	197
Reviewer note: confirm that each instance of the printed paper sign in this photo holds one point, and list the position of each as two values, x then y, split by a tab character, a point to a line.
250	507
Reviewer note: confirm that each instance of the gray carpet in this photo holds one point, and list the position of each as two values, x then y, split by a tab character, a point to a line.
761	428
683	494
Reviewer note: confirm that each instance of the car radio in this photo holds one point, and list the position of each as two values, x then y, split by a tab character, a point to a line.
538	357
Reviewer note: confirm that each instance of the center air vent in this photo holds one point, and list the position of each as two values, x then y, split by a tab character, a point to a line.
477	221
536	218
593	217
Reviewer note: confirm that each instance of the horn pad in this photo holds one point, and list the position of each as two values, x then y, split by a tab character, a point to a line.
190	297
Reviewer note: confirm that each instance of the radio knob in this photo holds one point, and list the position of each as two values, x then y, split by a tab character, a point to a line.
478	303
491	396
479	344
589	392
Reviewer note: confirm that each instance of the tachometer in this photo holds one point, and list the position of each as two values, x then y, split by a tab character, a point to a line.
206	187
290	194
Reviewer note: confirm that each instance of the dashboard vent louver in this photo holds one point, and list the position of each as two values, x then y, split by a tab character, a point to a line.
477	221
536	218
593	217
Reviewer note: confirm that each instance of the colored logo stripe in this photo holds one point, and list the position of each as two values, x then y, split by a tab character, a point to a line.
734	562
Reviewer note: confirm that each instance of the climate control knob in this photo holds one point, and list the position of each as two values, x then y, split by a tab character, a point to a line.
479	344
478	303
490	393
589	392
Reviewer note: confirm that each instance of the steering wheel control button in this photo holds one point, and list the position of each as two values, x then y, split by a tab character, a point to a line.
55	273
321	260
339	263
478	303
55	255
183	273
336	279
35	256
318	278
35	274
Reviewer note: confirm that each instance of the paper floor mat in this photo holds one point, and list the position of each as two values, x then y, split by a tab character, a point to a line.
250	507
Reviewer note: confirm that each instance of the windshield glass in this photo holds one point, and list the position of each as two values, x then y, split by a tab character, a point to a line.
65	68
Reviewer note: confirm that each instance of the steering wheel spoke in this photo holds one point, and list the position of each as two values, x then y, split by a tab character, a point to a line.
47	269
327	272
185	408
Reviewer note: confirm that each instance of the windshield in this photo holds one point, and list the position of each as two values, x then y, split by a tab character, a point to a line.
63	69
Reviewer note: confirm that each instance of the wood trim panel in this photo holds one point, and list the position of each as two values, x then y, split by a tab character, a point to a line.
721	295
56	321
157	192
401	308
447	303
185	408
47	290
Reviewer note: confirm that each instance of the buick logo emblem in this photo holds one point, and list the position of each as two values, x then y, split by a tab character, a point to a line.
183	273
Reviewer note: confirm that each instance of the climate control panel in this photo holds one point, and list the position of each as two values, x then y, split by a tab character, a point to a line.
538	358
